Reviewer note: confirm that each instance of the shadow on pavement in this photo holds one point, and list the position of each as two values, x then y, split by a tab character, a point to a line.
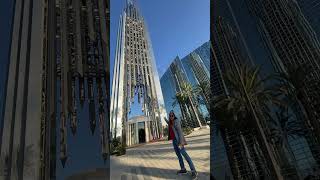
165	150
152	172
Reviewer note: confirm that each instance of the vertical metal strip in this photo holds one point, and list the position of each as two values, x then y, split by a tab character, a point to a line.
15	94
26	90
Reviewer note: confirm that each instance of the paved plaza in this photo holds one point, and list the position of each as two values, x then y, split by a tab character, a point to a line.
158	160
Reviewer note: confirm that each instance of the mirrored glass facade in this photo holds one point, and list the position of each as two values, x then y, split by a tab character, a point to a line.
191	69
268	33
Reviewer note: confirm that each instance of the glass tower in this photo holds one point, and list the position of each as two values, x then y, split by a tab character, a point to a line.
300	46
268	33
192	69
292	33
310	9
203	52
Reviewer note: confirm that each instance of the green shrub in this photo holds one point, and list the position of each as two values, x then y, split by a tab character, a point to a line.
165	131
187	130
117	148
121	150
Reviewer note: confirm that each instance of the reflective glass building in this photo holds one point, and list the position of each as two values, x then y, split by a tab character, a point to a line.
265	40
202	51
310	9
193	68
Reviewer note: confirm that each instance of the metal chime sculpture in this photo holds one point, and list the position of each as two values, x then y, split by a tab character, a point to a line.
139	90
81	67
135	75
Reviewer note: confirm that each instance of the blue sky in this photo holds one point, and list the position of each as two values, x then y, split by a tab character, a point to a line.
176	27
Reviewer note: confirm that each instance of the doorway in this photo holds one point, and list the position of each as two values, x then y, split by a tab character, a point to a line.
141	132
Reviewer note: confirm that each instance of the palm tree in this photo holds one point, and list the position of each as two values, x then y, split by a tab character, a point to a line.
244	100
227	125
185	99
291	87
284	126
187	91
182	102
201	90
236	100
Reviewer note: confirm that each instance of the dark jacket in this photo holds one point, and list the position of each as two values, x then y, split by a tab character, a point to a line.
178	133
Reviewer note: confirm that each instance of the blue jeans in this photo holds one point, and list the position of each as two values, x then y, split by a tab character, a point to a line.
182	152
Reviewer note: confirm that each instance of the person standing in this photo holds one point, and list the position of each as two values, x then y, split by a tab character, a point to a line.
178	140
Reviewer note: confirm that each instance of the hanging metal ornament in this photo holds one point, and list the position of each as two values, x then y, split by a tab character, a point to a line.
81	91
81	69
73	67
102	120
73	119
92	109
63	140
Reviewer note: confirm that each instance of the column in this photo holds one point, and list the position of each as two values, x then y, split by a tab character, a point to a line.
137	132
146	127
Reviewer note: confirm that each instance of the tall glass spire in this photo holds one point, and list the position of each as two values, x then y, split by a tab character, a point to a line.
135	75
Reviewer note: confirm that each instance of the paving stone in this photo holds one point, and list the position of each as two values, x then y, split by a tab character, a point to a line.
158	160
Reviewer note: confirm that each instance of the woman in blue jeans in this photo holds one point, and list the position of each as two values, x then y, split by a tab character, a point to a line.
176	135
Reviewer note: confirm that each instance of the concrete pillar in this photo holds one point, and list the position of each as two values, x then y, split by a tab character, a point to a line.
129	134
132	140
137	132
146	129
150	133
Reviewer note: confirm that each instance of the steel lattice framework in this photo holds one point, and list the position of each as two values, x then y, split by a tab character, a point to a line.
135	74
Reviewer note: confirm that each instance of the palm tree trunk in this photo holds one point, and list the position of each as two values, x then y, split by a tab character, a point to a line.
248	156
234	168
206	99
183	114
312	137
306	109
241	156
255	156
188	115
266	148
264	171
195	111
184	120
290	152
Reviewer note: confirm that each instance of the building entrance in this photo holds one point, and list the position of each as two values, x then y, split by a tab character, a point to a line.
142	132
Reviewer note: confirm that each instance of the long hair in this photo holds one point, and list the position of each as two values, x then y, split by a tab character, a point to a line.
174	116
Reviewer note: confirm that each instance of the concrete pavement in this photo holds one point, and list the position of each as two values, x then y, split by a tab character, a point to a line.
158	160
